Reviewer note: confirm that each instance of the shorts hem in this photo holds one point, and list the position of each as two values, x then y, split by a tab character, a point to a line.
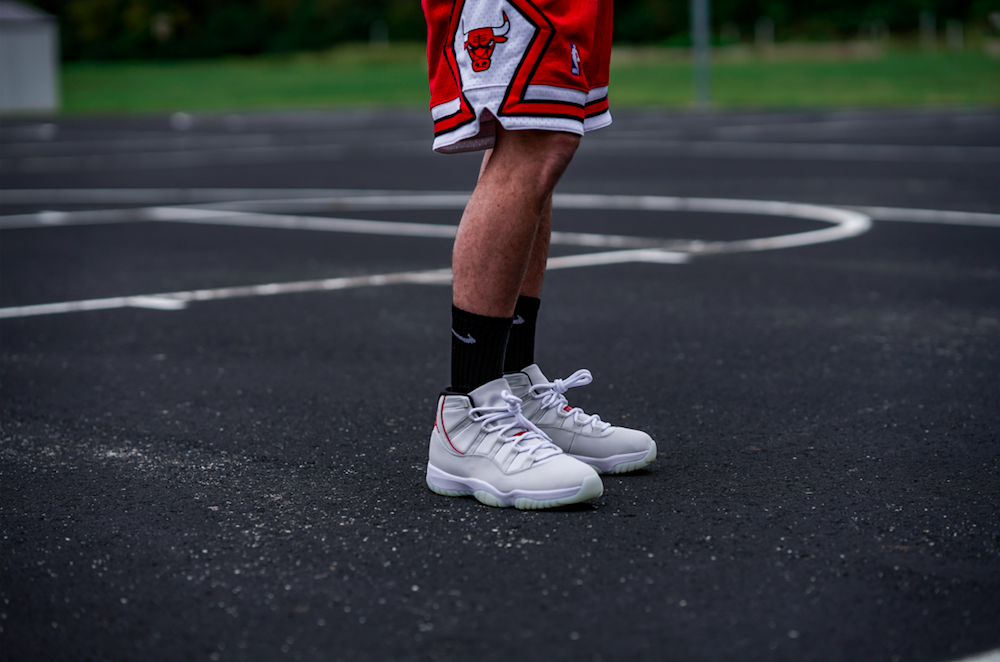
480	132
597	121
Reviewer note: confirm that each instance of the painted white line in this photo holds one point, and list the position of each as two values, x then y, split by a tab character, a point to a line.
167	142
360	226
931	216
180	300
320	223
846	223
290	222
260	149
368	201
192	158
789	151
161	142
988	656
249	200
827	126
153	301
617	257
157	303
163	196
102	216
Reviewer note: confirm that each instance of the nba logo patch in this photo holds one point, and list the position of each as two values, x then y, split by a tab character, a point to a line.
574	60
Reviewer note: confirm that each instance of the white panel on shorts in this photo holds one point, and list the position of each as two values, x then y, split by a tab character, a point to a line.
446	109
597	121
553	93
597	93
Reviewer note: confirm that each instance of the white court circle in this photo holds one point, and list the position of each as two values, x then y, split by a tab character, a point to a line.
843	224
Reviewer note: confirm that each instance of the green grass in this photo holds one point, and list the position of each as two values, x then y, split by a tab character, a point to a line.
813	77
357	76
350	76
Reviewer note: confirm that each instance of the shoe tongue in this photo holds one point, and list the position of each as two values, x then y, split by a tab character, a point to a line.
534	373
488	395
519	383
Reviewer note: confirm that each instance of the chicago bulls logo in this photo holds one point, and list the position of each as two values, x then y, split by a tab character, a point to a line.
480	42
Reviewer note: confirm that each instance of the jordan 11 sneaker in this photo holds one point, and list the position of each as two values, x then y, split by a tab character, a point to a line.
482	445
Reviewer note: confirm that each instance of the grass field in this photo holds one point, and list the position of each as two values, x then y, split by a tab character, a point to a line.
786	77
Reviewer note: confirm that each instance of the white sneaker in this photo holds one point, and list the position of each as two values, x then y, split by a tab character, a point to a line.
494	453
586	437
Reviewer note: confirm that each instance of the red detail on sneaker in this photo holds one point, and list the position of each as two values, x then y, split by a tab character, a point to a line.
440	417
567	408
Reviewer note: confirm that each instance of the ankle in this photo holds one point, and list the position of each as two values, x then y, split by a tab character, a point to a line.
478	344
521	342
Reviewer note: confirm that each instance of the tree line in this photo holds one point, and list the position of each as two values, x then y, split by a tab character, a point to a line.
116	29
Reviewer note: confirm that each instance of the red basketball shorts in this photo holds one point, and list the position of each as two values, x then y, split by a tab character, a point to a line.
527	64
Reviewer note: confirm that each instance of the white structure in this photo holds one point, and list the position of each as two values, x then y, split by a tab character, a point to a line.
29	59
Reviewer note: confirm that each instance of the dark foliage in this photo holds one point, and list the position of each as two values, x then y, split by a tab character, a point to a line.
104	29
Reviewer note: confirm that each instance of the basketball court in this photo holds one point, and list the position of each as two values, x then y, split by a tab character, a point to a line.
223	336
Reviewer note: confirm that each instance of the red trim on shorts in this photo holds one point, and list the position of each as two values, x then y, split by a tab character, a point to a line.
465	114
514	104
453	121
597	107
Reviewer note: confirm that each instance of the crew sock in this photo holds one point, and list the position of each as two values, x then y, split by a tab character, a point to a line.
521	344
478	344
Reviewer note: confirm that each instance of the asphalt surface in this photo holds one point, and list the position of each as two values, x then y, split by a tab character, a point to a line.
243	478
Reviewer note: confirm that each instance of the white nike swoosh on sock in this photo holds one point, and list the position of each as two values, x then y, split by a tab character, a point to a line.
518	320
469	340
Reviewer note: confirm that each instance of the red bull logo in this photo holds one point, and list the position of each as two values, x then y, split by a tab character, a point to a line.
479	43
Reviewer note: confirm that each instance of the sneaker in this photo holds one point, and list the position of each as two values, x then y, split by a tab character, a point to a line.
482	445
586	437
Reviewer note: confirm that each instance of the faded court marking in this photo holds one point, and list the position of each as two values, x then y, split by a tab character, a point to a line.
843	224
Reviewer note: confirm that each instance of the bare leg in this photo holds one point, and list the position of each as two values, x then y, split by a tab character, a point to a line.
495	257
535	276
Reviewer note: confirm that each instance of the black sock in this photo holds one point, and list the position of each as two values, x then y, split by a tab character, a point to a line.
521	344
477	349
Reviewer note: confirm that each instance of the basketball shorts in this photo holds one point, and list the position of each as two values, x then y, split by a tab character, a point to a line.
527	64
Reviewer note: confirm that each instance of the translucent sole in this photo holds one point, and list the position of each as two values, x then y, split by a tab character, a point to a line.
620	464
590	488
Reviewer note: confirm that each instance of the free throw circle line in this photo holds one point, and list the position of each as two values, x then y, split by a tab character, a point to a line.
846	223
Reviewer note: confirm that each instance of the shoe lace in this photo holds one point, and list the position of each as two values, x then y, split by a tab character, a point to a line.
553	395
509	419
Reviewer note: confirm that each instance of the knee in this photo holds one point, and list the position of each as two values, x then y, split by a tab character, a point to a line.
546	155
559	144
559	150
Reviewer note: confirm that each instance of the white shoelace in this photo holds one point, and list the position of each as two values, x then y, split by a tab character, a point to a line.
552	395
491	420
